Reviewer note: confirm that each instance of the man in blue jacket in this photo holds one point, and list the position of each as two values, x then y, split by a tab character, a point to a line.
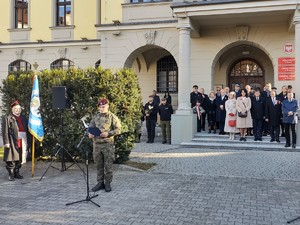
290	118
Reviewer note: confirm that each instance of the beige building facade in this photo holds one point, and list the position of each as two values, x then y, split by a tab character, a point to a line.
171	45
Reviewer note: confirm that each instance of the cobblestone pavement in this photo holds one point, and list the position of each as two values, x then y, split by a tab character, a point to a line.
188	186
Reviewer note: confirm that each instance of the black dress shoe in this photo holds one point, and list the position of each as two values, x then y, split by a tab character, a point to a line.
164	142
259	139
107	187
287	145
272	140
244	139
241	138
293	145
278	141
98	187
148	141
209	131
255	139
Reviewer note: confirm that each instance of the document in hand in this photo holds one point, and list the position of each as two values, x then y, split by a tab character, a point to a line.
94	131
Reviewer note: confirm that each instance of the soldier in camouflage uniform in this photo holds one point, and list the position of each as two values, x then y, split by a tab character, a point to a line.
103	147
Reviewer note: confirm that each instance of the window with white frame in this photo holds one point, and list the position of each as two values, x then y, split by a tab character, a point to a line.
63	12
21	14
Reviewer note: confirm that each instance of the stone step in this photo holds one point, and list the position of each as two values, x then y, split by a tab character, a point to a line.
216	141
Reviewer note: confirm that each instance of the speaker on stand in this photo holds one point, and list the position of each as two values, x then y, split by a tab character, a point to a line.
59	102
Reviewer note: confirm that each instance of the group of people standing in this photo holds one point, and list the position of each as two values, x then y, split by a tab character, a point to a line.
247	111
164	108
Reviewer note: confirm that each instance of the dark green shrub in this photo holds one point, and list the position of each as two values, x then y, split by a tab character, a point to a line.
84	88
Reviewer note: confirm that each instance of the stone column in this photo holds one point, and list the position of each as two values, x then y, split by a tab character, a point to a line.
184	69
297	67
183	121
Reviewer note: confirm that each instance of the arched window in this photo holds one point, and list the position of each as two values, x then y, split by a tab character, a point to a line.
246	71
167	75
19	65
97	64
63	64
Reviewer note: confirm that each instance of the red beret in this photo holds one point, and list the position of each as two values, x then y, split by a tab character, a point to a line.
15	103
102	101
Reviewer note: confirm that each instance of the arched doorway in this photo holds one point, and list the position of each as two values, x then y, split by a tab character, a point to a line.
246	71
243	63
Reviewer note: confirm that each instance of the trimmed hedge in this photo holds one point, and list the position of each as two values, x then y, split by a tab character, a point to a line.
84	88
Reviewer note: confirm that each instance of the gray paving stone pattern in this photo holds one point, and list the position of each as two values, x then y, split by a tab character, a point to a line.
187	186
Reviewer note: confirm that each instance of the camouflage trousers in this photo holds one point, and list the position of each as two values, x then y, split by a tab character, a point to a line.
104	154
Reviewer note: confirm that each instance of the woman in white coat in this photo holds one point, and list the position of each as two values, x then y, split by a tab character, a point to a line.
230	107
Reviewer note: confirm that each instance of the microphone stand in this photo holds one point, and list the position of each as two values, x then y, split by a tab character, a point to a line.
88	197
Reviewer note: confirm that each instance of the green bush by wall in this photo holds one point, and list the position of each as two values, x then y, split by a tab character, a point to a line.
84	88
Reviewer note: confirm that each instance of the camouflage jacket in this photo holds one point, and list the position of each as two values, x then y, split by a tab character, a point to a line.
106	122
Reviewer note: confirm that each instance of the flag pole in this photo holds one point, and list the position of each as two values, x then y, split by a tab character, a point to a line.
32	157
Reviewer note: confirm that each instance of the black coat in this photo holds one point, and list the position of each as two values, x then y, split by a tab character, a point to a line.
194	97
152	109
258	108
220	114
211	111
165	112
273	112
204	102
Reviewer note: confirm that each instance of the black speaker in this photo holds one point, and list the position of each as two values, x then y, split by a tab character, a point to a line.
59	97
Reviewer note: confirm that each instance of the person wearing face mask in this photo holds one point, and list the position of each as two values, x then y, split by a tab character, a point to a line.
103	145
15	138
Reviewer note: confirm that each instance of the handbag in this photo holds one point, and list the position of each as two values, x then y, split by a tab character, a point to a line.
242	115
232	123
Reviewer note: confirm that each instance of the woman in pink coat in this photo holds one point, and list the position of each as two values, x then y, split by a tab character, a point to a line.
243	105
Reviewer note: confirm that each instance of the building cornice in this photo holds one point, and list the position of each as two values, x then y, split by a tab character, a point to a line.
233	7
50	44
137	25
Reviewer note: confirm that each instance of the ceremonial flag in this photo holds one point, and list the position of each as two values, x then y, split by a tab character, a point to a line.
35	124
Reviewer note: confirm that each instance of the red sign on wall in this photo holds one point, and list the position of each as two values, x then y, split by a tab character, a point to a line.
286	68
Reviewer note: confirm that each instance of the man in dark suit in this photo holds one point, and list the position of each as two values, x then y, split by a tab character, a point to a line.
237	90
151	110
220	111
289	109
281	96
258	114
273	115
204	105
195	96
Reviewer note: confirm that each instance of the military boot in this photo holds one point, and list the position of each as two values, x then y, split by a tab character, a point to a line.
10	174
17	174
107	187
98	187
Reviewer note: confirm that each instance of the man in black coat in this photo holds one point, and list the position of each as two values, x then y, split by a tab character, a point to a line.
273	115
204	105
151	110
156	98
220	111
258	114
165	111
195	96
237	90
281	97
